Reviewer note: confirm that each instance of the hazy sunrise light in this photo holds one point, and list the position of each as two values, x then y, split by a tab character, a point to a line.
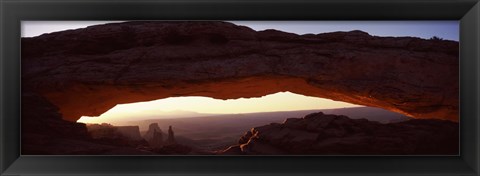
178	107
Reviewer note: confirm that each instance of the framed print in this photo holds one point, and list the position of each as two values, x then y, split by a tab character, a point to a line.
210	87
208	90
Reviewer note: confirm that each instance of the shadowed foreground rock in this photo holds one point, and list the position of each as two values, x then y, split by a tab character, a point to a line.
44	132
86	72
339	135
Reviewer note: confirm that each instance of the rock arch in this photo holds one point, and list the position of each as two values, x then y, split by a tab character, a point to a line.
88	71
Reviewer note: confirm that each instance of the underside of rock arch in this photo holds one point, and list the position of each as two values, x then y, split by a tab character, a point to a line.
87	71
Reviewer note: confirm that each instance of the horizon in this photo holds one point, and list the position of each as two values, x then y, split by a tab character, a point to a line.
188	106
143	123
199	115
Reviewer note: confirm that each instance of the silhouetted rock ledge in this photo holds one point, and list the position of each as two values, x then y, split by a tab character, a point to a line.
339	135
44	132
86	72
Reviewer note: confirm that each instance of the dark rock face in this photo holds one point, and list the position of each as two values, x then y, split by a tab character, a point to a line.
338	135
41	123
106	65
39	116
44	132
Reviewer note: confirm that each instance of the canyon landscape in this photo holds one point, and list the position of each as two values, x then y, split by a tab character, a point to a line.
407	88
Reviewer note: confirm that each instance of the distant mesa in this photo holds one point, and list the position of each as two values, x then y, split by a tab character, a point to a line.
157	140
152	129
323	134
117	135
154	136
105	130
131	132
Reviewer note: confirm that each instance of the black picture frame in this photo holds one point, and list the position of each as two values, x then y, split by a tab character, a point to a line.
14	11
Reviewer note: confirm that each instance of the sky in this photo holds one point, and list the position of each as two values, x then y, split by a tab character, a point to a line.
169	107
424	29
283	101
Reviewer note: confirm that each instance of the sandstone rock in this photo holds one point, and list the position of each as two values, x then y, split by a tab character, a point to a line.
64	146
245	137
171	137
157	140
152	129
88	71
257	147
131	132
66	75
232	150
102	131
44	132
120	136
40	117
340	135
